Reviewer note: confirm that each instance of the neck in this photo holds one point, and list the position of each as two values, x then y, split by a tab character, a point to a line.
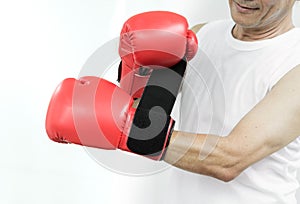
263	32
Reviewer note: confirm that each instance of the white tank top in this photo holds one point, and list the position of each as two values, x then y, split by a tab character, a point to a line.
225	80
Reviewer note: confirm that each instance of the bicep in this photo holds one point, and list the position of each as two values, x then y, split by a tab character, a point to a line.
271	124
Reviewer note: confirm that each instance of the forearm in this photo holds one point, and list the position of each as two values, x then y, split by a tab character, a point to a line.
203	154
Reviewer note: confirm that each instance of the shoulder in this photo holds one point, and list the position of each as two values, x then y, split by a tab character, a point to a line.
197	27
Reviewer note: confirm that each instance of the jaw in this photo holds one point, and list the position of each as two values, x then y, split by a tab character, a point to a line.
252	33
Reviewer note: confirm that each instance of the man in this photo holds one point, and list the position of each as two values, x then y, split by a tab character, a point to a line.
250	95
240	107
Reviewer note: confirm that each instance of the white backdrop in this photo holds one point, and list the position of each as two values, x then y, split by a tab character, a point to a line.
41	43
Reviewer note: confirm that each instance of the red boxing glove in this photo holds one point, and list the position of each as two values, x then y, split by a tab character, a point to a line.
94	112
151	40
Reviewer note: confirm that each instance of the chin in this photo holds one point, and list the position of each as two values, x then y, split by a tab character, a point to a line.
245	21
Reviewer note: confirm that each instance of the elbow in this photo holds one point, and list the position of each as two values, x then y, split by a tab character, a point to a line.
225	174
230	165
228	171
228	175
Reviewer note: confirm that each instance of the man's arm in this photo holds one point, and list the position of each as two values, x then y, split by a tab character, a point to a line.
269	126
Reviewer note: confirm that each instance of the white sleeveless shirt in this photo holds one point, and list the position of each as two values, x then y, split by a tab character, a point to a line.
225	80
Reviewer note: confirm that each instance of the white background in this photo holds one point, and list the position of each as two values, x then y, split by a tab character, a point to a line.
41	43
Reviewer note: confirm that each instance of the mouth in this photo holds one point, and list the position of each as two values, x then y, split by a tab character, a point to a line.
245	8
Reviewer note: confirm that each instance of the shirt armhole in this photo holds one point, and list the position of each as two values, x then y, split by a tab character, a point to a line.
279	74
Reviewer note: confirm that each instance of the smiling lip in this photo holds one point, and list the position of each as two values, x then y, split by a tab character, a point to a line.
245	9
